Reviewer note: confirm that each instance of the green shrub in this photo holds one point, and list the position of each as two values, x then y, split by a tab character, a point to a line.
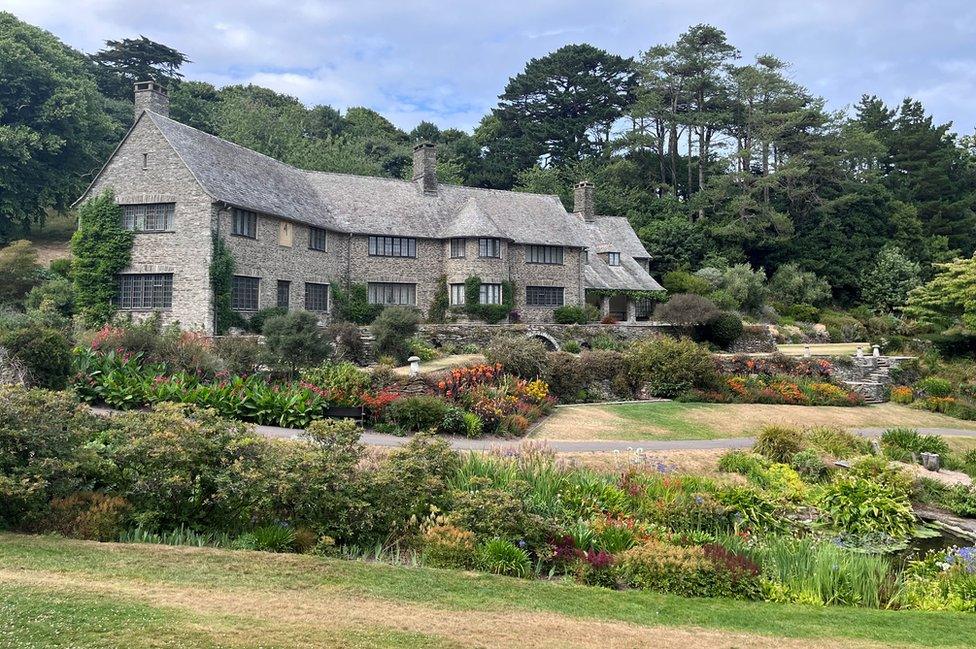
502	557
347	342
454	422
836	442
490	512
564	375
273	538
570	314
934	387
741	462
419	348
57	294
809	464
859	507
352	304
524	357
961	501
473	426
724	329
680	281
413	479
417	413
392	329
572	347
240	355
42	452
668	367
344	380
446	546
778	443
295	340
256	323
910	441
44	353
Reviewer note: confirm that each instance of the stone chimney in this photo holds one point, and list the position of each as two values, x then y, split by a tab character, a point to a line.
425	166
583	200
149	95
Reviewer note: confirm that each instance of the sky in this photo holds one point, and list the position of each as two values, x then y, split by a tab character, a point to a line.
447	62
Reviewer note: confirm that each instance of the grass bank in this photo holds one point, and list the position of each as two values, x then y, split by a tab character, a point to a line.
674	420
62	593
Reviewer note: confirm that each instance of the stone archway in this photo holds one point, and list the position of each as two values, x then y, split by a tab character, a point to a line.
549	341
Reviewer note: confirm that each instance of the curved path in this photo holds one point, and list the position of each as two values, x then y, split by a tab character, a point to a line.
371	438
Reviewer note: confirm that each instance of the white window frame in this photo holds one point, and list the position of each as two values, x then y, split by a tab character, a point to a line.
613	259
148	217
490	294
550	255
457	294
392	293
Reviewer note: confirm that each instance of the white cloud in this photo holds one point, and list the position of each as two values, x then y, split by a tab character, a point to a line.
447	62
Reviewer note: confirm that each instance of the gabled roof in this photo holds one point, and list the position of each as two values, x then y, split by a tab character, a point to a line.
471	221
244	178
614	234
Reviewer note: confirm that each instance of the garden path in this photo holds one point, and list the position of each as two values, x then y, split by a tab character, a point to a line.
371	438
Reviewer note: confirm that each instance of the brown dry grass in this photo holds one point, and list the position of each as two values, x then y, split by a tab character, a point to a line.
666	420
443	363
306	617
698	462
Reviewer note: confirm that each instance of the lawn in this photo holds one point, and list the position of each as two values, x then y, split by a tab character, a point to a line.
443	363
674	420
61	593
825	349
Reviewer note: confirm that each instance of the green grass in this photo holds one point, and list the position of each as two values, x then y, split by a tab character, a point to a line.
38	616
671	420
670	415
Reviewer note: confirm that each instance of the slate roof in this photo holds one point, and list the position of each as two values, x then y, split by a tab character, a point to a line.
365	204
369	205
615	234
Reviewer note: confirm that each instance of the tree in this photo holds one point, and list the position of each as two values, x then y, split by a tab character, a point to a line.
101	250
54	126
123	63
949	299
295	340
791	285
888	283
565	103
19	272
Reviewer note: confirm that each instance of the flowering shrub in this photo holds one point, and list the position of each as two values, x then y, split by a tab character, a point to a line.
902	394
777	390
505	404
941	581
775	365
692	571
447	546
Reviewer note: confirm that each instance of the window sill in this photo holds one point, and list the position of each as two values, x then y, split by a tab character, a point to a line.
152	231
146	310
244	236
544	263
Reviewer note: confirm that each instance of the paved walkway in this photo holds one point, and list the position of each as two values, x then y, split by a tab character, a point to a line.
590	446
371	438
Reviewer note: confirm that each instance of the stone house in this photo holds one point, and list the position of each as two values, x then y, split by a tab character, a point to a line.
295	234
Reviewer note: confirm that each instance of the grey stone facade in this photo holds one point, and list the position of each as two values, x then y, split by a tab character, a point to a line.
146	169
162	161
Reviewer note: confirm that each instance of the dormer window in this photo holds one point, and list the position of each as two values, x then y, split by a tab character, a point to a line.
613	259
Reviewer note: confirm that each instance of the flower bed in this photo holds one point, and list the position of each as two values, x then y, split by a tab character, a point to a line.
774	365
777	390
471	401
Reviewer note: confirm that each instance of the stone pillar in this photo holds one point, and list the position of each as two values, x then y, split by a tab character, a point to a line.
604	306
631	311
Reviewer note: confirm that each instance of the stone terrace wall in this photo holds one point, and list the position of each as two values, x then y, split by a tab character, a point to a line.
554	335
755	339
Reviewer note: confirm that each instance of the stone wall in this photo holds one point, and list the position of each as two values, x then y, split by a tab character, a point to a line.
554	335
267	258
755	339
186	251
